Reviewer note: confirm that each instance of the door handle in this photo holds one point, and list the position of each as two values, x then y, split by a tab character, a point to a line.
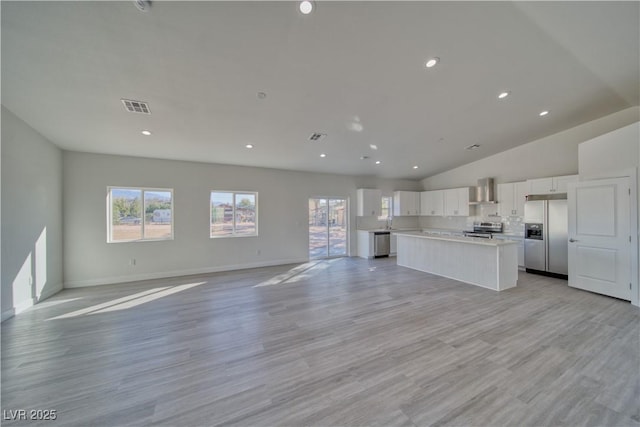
572	240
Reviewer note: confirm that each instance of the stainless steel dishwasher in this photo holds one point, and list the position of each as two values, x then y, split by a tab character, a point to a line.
381	243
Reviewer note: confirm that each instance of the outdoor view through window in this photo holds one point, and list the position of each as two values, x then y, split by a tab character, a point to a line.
140	214
233	214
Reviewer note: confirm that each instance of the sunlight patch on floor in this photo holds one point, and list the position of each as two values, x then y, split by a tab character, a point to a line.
298	273
129	301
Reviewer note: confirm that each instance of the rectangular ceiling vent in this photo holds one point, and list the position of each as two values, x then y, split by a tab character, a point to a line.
136	106
317	136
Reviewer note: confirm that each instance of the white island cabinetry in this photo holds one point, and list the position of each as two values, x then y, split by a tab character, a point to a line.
519	240
488	263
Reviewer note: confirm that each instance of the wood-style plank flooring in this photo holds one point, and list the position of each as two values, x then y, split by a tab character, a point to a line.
346	342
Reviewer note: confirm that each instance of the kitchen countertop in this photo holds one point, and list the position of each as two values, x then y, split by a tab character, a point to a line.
461	239
392	230
518	235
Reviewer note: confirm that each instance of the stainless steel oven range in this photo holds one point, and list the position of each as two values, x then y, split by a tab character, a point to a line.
484	230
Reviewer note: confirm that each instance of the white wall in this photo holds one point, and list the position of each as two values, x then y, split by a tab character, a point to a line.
611	152
554	155
31	216
283	216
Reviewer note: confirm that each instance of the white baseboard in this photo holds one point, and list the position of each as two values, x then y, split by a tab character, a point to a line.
166	274
22	306
8	314
49	292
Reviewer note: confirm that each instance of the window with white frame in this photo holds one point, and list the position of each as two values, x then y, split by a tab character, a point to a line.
233	214
139	214
386	210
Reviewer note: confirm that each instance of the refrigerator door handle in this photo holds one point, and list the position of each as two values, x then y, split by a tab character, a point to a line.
573	240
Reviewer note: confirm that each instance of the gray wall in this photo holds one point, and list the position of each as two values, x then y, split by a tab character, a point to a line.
31	216
282	206
555	155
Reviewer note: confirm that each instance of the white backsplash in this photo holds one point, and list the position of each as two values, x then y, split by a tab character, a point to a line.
511	225
483	213
398	222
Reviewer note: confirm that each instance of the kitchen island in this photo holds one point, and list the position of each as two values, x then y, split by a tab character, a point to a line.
488	263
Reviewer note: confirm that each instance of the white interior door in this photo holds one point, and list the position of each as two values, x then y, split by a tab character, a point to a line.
599	237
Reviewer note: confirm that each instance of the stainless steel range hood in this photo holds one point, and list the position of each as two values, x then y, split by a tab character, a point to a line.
484	192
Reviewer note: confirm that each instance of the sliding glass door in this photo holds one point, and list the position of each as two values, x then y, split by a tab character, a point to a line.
328	232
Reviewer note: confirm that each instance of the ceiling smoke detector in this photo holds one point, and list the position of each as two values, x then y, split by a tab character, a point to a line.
317	136
136	106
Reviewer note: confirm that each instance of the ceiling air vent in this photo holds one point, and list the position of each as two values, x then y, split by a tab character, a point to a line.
316	136
472	147
136	106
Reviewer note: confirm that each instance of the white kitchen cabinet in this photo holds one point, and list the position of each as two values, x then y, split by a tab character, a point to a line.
432	203
406	203
365	244
456	201
369	202
511	198
555	184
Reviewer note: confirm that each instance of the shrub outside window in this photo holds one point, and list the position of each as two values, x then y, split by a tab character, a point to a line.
233	214
139	214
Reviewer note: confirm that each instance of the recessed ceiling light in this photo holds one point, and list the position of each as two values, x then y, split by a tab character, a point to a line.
432	62
146	132
373	146
249	145
544	113
415	167
503	95
378	162
306	7
323	155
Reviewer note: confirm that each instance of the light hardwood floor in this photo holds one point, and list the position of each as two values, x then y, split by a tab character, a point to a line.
341	342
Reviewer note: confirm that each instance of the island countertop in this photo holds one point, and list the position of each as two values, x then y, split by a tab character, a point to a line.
490	263
461	239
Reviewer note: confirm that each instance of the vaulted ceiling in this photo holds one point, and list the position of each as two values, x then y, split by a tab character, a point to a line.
220	75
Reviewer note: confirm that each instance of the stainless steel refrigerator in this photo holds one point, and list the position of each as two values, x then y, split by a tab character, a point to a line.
546	234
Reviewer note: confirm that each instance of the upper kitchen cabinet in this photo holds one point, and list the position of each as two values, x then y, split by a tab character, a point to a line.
369	202
556	184
406	203
432	203
456	201
511	198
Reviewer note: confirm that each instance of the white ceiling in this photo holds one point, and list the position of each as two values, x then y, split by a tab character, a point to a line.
352	70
